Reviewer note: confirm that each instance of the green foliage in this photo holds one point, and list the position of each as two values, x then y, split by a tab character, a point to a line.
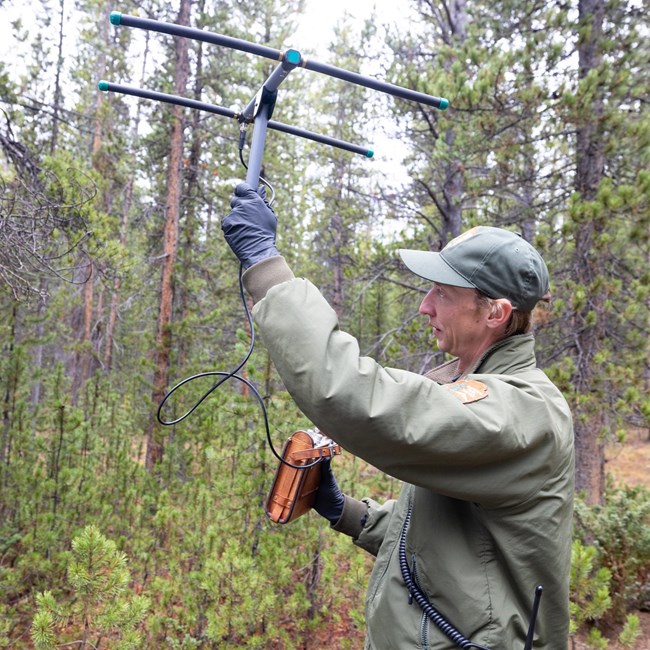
6	623
596	640
590	597
47	616
630	632
619	531
100	603
611	565
199	544
200	551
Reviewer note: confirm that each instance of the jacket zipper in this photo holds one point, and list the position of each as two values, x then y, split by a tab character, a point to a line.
381	578
424	621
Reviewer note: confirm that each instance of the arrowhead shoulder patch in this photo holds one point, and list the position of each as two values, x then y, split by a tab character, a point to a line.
467	390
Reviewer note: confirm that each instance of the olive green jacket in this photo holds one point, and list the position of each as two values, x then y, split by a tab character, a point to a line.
488	473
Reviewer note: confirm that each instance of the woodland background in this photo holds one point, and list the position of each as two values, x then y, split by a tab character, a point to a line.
115	284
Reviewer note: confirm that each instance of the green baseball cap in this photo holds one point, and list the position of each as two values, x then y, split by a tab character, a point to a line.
497	262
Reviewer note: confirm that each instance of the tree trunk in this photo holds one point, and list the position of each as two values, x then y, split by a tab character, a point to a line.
117	282
83	356
57	83
452	192
454	185
589	428
192	192
84	365
124	225
337	230
11	382
451	20
37	356
155	448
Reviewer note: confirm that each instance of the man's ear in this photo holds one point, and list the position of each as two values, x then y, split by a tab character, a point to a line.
500	311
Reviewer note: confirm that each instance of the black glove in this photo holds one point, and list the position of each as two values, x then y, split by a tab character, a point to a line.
329	498
250	227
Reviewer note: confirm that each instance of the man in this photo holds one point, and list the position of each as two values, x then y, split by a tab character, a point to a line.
483	444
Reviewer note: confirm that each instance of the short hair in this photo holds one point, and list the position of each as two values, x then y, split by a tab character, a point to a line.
520	322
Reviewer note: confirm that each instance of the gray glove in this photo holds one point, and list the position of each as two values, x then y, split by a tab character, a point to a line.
329	498
251	226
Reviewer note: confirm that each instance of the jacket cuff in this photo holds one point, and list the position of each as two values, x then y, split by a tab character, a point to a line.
260	277
353	517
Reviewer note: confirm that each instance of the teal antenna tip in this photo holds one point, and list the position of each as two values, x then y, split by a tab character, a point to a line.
444	104
103	86
115	17
370	153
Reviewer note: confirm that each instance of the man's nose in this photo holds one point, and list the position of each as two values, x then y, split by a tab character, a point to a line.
426	306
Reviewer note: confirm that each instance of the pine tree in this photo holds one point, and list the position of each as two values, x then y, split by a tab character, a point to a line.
341	211
606	233
170	249
102	605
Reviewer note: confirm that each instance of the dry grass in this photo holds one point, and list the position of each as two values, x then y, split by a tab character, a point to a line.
629	463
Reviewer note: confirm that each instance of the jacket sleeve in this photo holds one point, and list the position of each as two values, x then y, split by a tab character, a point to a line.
497	451
366	522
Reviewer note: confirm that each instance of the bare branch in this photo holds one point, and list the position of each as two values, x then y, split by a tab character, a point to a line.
42	222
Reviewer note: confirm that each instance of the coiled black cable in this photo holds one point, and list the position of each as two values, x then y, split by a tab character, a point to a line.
225	376
233	374
414	591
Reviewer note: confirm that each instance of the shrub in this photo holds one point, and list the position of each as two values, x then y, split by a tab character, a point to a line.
619	530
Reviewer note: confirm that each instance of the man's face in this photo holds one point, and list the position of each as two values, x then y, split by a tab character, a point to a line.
458	320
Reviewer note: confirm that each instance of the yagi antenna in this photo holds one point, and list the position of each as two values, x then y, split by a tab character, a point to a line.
259	110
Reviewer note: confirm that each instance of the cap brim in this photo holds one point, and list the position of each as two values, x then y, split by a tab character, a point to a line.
432	266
